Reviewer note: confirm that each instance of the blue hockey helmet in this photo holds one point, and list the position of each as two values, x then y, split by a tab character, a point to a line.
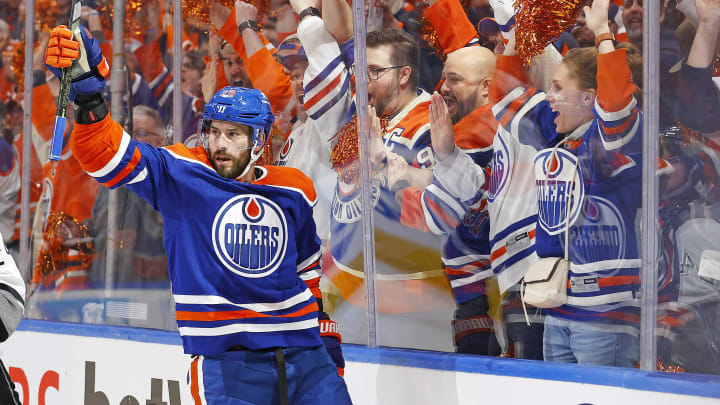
239	105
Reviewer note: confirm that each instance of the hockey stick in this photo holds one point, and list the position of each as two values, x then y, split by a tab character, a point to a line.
64	94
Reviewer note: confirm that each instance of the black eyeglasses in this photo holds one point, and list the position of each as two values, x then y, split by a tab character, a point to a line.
376	73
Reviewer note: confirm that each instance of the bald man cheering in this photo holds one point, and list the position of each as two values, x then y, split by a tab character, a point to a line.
466	248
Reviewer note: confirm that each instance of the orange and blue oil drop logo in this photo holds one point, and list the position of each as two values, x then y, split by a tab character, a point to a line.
560	189
250	235
285	151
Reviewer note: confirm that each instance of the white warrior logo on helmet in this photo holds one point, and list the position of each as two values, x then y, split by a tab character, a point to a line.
250	235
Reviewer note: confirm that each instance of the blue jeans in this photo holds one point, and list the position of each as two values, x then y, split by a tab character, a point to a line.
567	341
250	377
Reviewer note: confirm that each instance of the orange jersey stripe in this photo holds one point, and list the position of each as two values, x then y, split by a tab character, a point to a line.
441	213
620	128
502	250
162	86
323	93
314	286
194	389
104	150
242	314
509	114
127	170
618	280
313	264
614	281
465	270
289	177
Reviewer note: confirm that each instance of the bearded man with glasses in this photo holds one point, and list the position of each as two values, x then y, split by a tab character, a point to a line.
414	298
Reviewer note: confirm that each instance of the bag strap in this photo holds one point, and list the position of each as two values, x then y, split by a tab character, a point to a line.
569	198
522	299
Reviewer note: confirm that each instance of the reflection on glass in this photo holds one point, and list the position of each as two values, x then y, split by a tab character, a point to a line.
688	318
538	163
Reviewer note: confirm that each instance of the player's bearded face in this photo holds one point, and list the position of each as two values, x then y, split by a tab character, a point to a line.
229	148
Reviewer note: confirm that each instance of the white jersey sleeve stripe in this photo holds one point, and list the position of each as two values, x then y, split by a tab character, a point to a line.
115	161
310	260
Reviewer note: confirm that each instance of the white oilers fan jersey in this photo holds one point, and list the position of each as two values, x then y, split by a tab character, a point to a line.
327	99
512	202
238	253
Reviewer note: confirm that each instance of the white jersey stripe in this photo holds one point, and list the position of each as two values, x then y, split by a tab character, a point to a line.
463	260
429	220
249	327
257	307
309	275
469	280
309	261
617	115
140	177
605	265
600	299
519	91
115	161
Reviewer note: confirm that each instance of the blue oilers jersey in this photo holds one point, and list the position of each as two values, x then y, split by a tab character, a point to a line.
589	185
240	255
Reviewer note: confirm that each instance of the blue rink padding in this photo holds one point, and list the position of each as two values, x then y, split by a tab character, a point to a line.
683	384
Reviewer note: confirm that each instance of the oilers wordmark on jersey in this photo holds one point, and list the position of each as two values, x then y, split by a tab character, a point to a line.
250	235
560	189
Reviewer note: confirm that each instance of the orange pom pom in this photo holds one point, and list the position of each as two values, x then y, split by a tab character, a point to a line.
539	22
346	152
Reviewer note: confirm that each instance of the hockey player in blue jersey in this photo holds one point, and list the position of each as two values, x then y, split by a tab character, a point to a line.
243	254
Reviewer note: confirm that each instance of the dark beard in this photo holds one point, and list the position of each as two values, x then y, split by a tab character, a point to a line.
238	166
635	35
382	104
464	108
